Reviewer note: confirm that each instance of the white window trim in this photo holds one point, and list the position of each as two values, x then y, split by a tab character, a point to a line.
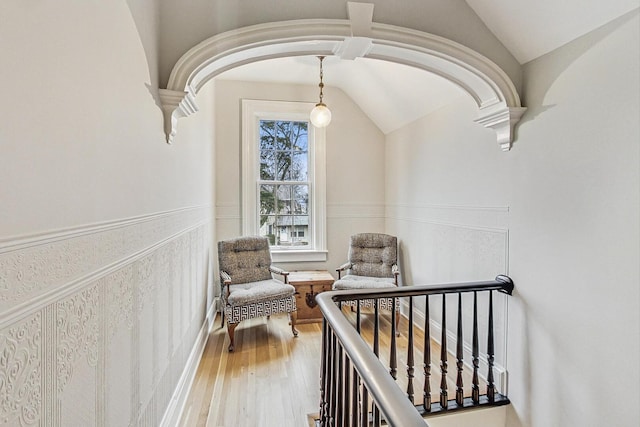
252	112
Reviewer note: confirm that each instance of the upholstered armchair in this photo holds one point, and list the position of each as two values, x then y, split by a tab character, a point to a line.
248	287
373	264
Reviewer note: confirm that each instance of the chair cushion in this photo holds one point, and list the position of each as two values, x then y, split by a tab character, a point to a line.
247	293
245	259
351	281
373	254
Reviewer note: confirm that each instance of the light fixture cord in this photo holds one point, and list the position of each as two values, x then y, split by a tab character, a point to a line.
321	85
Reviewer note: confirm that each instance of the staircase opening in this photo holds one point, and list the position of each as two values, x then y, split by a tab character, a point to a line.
360	381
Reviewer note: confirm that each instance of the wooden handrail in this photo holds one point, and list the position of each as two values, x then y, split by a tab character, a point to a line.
396	409
501	283
343	342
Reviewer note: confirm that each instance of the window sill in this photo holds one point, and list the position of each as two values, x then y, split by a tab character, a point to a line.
298	256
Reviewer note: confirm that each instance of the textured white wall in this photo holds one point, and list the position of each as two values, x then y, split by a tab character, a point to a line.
566	198
355	165
105	230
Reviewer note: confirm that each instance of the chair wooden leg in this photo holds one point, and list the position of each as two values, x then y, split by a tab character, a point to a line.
294	318
231	329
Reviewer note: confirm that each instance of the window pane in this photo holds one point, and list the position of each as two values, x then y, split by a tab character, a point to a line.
268	228
267	135
284	199
267	165
267	200
300	230
283	136
299	137
300	199
299	167
283	166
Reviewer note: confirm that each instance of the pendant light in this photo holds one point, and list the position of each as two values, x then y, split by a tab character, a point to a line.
320	115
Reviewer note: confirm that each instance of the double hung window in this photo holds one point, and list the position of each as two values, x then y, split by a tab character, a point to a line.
284	179
284	184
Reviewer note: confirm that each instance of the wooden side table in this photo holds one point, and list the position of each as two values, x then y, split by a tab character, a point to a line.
308	284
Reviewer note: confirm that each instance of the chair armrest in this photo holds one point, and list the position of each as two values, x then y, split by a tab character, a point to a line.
224	276
281	272
225	280
396	272
343	267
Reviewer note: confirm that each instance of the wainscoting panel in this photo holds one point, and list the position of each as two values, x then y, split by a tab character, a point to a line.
98	324
447	244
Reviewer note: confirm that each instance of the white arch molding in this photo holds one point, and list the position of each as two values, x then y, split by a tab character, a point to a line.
498	102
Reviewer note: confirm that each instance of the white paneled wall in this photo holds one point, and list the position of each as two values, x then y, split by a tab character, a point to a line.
98	323
453	244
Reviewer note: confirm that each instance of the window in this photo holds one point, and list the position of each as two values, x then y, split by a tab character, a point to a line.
284	179
283	183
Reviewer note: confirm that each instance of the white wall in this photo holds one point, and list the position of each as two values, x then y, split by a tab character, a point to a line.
105	230
559	213
575	235
355	193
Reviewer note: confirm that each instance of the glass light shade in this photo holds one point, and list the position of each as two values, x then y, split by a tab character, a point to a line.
320	115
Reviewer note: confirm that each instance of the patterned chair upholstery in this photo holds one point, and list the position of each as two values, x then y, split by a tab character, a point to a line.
248	287
373	264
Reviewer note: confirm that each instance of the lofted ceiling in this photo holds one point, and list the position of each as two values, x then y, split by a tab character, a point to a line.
394	95
529	29
390	94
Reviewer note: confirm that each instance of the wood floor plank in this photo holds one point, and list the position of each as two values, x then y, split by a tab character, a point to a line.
272	379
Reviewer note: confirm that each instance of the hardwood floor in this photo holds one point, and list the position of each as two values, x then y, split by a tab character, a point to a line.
272	379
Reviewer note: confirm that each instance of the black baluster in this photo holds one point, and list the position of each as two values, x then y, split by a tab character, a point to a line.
358	312
426	393
410	361
376	350
364	409
332	384
459	356
323	373
376	329
340	386
475	389
347	391
355	399
393	359
443	355
491	389
376	414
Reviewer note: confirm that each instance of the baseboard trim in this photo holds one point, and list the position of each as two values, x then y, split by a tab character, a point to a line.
178	402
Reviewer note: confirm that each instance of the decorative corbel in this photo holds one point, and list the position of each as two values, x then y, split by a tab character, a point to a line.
175	104
503	122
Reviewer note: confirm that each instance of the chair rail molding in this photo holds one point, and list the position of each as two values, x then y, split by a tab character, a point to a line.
498	102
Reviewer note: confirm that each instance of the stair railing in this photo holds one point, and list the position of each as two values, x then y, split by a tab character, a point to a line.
356	388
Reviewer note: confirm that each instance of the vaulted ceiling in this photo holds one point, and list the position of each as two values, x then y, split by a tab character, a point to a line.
393	95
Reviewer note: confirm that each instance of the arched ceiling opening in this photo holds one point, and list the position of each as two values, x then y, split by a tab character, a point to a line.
390	94
490	88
